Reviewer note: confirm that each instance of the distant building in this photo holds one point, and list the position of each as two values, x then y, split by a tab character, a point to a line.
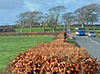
1	30
7	30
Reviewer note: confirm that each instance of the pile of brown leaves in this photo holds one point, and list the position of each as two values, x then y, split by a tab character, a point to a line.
54	57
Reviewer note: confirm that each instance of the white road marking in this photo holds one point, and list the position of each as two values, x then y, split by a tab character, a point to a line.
93	41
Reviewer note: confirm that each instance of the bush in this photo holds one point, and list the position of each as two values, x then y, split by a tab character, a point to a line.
29	33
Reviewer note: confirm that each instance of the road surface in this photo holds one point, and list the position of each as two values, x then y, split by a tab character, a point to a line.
91	44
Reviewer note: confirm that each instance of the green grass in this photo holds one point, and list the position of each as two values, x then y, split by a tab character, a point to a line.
97	35
13	45
72	41
39	29
49	29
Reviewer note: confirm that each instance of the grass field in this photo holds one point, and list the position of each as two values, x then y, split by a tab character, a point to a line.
13	45
49	29
39	29
72	41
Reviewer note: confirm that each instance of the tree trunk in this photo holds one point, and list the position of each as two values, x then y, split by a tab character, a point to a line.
94	27
65	24
43	28
31	26
82	25
21	26
53	29
22	29
86	23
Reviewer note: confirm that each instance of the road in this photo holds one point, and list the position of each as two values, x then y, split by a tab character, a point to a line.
91	44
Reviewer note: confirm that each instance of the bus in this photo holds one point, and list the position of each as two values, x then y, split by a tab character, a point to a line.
80	31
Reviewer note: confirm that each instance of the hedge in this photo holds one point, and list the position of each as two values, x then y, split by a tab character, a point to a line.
29	33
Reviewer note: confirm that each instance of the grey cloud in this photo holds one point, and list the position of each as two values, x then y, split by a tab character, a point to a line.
43	5
11	4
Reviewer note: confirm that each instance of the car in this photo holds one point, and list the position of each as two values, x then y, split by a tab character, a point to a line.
91	34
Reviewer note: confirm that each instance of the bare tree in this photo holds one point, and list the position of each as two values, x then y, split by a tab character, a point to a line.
85	12
93	19
28	17
44	21
33	17
68	17
21	20
54	15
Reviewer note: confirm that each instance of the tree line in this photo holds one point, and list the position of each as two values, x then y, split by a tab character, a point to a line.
58	14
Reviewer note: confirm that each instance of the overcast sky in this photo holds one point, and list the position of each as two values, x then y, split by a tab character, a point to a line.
10	8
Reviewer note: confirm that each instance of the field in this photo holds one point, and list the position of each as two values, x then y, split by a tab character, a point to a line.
39	29
58	29
13	45
49	29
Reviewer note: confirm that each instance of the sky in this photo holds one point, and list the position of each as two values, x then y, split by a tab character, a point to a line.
9	9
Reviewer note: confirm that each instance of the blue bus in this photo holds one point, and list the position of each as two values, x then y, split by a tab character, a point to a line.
80	31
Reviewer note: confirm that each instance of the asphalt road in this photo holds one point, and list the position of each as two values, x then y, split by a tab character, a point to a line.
91	44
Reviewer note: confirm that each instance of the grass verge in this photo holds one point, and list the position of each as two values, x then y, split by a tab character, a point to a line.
71	41
97	35
13	45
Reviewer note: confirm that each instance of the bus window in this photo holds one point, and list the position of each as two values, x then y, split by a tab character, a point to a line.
83	30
